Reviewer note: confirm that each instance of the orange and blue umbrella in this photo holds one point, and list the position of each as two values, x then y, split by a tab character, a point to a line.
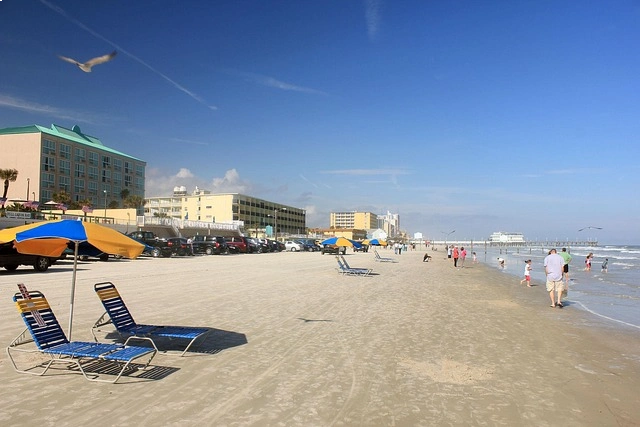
340	241
50	238
377	242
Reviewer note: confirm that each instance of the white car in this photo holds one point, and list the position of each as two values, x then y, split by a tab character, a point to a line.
292	246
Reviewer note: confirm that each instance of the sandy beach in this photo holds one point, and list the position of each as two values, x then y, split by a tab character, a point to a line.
297	344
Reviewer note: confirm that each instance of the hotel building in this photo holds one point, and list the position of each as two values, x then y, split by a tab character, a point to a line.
51	160
357	220
230	208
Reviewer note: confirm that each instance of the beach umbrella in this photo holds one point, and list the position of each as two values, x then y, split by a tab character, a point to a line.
338	241
366	242
50	238
377	242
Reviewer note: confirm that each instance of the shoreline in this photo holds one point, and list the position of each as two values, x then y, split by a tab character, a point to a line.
415	344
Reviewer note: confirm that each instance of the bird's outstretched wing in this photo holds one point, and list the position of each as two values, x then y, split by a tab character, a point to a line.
595	228
64	58
100	59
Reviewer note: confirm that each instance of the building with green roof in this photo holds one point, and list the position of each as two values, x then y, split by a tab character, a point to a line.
51	160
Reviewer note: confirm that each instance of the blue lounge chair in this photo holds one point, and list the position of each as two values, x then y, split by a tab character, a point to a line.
118	314
51	340
382	259
346	264
344	270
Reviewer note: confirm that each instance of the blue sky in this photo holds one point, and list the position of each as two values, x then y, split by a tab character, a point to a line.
471	116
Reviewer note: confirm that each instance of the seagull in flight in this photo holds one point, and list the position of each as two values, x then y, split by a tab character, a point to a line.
595	228
86	67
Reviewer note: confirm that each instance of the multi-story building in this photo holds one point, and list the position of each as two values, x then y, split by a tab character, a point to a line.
232	208
51	160
357	220
390	223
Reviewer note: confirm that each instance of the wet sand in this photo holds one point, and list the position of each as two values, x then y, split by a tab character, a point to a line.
296	344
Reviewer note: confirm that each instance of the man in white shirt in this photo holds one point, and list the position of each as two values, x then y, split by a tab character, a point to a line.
554	268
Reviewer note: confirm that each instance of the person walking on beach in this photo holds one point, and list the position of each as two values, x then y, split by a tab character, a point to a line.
605	265
449	251
456	255
554	269
475	257
527	273
501	262
567	259
463	256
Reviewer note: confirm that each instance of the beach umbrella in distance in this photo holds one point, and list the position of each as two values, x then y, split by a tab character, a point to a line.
377	242
338	241
50	238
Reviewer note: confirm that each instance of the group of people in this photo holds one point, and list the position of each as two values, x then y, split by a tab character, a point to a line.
399	247
459	255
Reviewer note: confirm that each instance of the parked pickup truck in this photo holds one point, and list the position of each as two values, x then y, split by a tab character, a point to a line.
10	259
149	238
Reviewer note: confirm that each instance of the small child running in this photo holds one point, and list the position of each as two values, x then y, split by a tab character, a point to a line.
527	273
605	265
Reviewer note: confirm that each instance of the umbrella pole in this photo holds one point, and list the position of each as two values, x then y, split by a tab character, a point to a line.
73	287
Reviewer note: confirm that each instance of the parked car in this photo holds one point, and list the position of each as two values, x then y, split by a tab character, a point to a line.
265	246
146	237
256	245
149	250
85	251
309	245
238	244
10	259
292	246
209	245
275	245
333	249
176	246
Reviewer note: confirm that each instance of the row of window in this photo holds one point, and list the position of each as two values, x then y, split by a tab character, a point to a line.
261	205
95	159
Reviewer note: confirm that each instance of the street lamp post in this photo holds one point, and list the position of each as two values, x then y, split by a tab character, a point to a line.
105	205
28	180
275	222
446	236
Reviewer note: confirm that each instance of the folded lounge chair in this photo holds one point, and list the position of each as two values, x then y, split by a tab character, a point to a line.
382	259
118	314
352	271
51	340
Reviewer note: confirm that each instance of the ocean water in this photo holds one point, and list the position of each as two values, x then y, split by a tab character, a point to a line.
614	297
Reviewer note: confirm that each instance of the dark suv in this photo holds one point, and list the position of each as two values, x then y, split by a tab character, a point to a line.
209	245
176	246
333	249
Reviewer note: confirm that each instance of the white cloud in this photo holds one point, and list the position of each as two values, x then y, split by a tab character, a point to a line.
278	84
35	108
372	16
184	173
365	172
230	183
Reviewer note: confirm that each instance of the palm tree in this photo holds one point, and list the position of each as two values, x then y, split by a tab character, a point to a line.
134	201
124	194
8	175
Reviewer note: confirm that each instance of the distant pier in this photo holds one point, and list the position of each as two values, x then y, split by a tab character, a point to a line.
525	244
